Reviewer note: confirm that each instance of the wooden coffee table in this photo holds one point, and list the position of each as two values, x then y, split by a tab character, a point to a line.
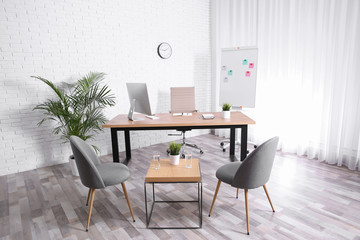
173	174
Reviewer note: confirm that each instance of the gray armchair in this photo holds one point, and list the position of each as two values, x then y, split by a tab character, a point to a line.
252	173
96	175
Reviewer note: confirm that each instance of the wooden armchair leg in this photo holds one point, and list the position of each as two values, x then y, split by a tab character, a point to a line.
90	208
87	201
267	194
216	192
237	193
127	199
247	211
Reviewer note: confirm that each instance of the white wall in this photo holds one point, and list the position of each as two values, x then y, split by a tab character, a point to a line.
63	40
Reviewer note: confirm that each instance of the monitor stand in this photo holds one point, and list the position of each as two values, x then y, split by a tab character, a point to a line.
131	112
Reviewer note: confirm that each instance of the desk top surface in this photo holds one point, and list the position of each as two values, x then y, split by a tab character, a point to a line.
174	173
168	120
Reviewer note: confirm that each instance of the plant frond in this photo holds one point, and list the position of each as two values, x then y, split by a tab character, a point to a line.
58	90
78	111
97	150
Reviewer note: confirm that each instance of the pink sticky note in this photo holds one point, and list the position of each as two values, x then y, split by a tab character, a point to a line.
251	65
247	74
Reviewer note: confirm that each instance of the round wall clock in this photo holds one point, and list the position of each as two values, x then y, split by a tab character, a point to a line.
164	50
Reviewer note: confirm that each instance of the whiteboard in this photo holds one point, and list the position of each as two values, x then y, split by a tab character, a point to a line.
238	76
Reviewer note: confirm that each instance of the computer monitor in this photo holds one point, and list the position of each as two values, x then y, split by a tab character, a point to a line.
139	100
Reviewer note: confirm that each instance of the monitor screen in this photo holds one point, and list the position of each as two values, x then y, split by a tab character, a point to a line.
138	94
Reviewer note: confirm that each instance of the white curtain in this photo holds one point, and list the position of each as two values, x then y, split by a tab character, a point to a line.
308	86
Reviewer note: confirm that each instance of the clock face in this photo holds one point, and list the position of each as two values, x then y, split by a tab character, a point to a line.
164	50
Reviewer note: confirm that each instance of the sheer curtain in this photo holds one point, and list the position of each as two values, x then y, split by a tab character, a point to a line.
308	86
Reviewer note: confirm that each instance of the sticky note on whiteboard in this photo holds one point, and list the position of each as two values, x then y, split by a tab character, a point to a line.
226	80
245	62
248	73
251	65
230	72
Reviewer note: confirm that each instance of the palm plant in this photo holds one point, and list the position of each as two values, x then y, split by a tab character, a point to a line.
78	108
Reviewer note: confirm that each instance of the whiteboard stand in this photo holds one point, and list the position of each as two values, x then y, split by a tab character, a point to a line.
238	80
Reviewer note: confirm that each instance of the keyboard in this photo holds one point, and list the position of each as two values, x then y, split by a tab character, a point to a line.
152	117
182	114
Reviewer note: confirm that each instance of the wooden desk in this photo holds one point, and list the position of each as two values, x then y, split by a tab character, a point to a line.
167	121
173	174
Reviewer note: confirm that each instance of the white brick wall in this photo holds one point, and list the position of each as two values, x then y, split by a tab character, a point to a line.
63	40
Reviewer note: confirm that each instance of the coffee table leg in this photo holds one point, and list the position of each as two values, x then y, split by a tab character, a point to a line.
198	192
153	192
201	205
146	212
148	215
152	205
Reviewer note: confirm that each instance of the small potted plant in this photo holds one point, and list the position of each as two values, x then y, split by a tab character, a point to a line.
174	149
226	110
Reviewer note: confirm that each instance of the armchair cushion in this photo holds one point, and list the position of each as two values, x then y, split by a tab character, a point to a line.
227	172
113	173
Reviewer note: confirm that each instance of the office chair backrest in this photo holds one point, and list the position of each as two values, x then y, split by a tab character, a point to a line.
182	99
256	169
86	161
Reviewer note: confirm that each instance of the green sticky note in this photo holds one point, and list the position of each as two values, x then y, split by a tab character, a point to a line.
245	62
230	72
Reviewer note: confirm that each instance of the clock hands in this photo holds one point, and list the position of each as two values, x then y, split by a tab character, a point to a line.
164	50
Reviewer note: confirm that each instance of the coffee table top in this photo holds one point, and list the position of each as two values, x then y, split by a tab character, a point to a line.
174	173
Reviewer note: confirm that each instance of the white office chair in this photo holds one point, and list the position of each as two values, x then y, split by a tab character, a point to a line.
226	143
183	101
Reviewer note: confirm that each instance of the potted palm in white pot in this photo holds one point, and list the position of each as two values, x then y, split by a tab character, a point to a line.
174	150
77	109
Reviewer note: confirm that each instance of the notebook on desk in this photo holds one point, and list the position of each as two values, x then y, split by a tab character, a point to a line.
208	116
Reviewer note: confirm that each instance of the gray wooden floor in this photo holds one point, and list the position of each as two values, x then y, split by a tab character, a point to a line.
312	200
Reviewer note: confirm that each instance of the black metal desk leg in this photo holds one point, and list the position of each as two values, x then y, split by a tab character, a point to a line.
127	145
232	141
244	134
115	146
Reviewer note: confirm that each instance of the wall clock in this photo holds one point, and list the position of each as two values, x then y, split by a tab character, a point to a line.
164	50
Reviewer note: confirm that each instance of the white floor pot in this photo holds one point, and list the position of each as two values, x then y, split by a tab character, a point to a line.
174	159
73	166
226	114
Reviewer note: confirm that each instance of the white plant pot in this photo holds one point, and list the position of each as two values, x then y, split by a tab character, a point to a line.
73	166
226	114
174	159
